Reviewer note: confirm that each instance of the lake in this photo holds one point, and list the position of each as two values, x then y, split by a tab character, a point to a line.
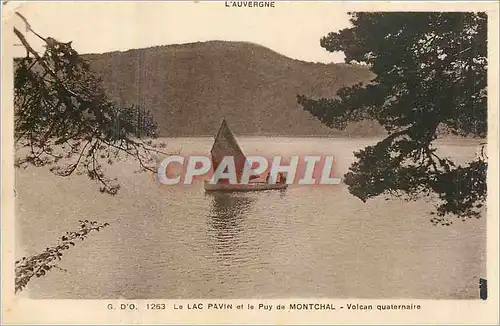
307	241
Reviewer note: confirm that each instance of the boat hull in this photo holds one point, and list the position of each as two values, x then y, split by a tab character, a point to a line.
253	186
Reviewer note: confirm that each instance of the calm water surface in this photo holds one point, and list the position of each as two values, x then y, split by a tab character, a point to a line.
306	241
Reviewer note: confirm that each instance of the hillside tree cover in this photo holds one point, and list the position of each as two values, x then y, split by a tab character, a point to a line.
430	73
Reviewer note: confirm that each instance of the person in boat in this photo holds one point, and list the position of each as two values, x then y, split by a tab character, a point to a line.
280	179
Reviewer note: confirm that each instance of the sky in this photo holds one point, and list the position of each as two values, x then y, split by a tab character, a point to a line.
292	29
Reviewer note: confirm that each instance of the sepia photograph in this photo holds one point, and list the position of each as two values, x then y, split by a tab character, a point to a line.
252	150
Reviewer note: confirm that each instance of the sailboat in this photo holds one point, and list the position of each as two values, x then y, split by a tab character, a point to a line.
225	144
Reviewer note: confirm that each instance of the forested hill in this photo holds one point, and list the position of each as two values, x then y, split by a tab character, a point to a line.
191	87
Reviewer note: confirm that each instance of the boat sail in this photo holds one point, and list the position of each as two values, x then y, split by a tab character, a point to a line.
225	144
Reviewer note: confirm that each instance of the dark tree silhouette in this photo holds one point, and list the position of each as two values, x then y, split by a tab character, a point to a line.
64	118
430	73
40	264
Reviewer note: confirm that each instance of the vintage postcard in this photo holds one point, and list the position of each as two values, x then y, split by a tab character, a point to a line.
250	162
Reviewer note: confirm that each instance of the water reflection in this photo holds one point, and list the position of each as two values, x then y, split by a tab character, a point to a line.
282	193
226	225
